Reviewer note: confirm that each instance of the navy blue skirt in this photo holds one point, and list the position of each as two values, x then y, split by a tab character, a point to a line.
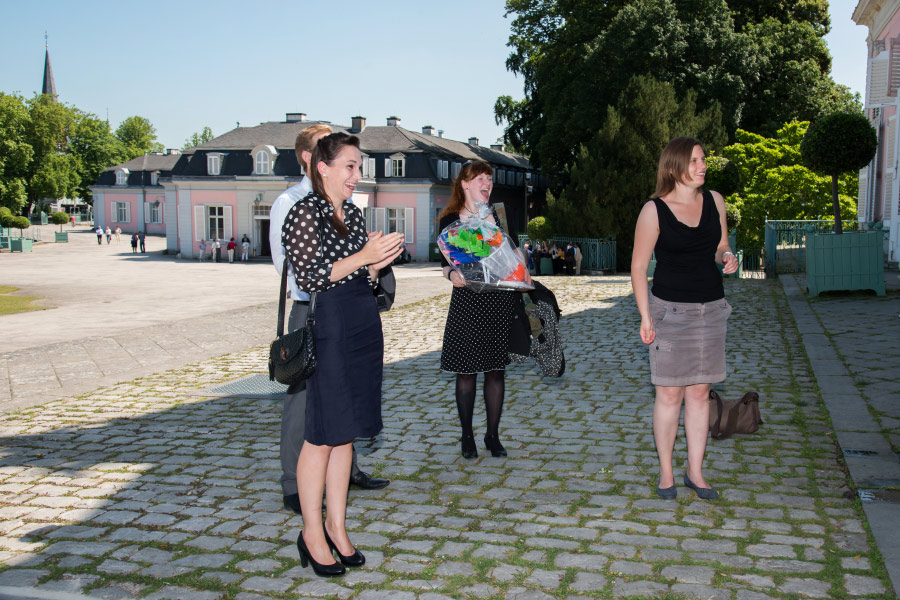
343	397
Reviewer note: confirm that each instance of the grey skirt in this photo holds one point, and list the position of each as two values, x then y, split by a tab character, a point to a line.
690	342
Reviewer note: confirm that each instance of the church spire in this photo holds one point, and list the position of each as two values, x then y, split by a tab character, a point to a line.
49	85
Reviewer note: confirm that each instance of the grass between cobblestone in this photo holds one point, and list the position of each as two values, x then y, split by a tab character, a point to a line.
153	489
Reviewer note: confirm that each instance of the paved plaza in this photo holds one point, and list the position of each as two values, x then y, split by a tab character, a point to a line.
162	486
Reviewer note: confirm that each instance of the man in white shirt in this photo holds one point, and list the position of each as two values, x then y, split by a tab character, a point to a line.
293	415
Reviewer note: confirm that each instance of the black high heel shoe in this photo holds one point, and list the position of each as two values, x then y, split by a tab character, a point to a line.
469	450
333	570
492	443
357	559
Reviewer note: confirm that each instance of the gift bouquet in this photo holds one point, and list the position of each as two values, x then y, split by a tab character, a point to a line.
484	255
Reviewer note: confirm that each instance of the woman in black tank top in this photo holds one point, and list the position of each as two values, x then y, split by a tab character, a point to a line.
684	319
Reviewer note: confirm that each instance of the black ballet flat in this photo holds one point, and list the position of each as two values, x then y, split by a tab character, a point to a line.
704	493
357	559
469	449
335	569
492	443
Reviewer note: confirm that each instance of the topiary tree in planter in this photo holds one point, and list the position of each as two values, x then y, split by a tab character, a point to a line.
59	218
20	223
539	229
835	144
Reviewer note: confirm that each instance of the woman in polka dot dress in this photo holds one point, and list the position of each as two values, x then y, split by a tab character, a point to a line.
325	239
476	337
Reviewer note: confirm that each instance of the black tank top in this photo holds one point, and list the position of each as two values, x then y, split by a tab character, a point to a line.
686	268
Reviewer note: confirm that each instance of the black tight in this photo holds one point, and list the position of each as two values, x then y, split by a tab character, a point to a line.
494	390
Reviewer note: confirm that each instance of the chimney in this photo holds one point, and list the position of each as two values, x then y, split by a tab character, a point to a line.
440	133
171	151
428	130
393	121
498	147
295	117
473	141
357	124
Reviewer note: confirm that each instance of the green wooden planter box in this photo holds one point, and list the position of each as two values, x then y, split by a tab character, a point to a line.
852	261
62	236
20	245
546	266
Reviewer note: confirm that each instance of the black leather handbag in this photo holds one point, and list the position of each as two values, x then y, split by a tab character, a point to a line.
386	289
292	357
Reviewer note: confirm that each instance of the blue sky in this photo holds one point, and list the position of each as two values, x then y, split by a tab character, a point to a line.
186	64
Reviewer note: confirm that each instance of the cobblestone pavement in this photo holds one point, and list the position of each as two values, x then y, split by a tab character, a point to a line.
157	488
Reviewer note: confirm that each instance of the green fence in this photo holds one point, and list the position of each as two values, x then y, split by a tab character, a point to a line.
599	254
28	234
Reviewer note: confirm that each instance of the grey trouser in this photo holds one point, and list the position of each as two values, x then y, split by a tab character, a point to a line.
293	417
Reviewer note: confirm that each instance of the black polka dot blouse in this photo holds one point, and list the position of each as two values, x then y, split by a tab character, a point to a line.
313	245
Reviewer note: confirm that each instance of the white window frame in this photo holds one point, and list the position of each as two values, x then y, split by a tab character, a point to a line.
454	172
214	163
154	213
217	213
264	165
443	169
122	214
154	178
395	166
122	177
400	219
262	162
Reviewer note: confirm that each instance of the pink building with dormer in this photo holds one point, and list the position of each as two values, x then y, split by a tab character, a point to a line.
879	182
225	188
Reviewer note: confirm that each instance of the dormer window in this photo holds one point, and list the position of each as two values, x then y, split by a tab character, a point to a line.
154	178
214	163
368	167
263	158
395	166
122	177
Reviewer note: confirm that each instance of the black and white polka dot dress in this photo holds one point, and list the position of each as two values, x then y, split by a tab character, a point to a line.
476	336
343	396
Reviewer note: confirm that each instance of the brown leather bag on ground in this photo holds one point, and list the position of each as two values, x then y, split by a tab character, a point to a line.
727	417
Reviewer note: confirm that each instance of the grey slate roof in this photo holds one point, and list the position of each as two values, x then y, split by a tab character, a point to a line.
149	162
373	139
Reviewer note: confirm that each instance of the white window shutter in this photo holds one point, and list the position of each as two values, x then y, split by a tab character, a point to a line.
380	219
146	212
227	216
371	162
890	143
199	228
387	167
114	217
878	81
409	225
127	212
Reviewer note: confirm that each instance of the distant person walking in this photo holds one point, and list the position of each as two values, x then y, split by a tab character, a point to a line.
245	248
578	257
118	234
141	239
99	233
202	250
231	247
134	243
108	235
217	245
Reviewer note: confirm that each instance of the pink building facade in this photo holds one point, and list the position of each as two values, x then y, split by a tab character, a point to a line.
226	187
879	182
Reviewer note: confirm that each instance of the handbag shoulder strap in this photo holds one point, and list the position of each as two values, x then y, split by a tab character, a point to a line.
281	299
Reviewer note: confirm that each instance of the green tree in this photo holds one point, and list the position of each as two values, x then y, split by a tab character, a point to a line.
614	174
138	136
59	218
53	172
539	229
198	138
776	185
16	153
95	148
763	62
839	143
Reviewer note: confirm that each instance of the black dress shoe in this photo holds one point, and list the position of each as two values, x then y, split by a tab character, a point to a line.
335	569
292	502
357	559
467	446
364	481
492	443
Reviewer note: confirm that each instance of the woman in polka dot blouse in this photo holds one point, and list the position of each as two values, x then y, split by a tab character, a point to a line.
476	337
325	239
